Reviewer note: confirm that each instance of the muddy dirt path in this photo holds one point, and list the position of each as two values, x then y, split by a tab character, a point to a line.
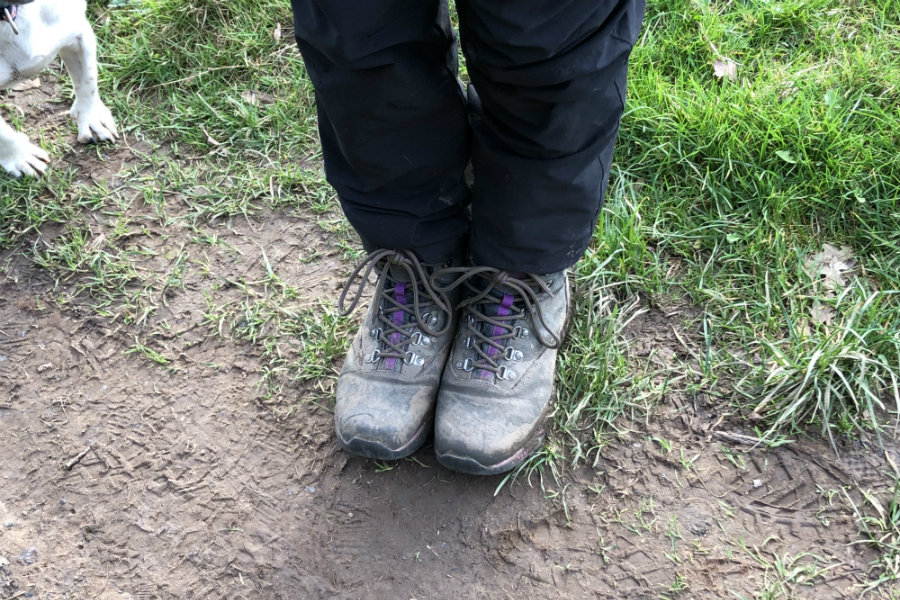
124	479
121	480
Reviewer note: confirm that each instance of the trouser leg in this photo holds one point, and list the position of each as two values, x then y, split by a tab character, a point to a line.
392	119
547	92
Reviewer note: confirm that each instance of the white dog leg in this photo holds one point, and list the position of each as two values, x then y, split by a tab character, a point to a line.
95	122
18	156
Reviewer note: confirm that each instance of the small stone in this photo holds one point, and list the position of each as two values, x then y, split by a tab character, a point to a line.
310	489
757	483
28	556
636	445
701	527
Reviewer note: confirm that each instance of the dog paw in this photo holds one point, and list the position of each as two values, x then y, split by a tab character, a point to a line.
95	124
23	158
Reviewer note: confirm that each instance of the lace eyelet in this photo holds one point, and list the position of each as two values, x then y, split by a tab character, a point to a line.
375	357
506	374
429	319
419	339
511	353
411	358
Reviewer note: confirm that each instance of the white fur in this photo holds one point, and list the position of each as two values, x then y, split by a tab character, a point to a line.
48	28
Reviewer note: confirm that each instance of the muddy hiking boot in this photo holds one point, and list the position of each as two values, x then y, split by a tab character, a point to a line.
388	385
497	386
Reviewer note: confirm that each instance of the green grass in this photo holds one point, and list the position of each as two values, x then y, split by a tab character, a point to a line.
190	63
879	521
722	189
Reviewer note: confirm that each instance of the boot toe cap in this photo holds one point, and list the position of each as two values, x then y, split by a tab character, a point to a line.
381	420
485	440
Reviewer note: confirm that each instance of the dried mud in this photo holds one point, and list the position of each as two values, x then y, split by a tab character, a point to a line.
124	479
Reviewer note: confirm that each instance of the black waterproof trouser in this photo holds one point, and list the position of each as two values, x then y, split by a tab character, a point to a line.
537	123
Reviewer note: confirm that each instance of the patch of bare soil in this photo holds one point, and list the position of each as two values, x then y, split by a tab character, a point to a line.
125	479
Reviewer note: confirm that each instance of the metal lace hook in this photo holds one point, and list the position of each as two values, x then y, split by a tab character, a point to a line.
529	296
438	297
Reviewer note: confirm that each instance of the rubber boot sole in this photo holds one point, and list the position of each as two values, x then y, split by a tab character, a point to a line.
378	451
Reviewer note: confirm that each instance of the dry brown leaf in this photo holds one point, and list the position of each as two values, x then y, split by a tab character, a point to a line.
831	265
28	84
725	69
209	138
257	98
822	313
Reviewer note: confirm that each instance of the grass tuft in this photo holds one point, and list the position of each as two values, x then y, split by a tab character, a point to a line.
843	376
879	521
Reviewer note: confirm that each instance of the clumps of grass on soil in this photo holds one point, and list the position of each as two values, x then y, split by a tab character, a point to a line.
725	185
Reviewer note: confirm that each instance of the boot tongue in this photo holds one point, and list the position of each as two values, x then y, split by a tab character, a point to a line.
500	301
502	304
500	288
398	284
398	273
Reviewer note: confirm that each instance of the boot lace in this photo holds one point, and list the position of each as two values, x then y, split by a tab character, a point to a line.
491	313
408	306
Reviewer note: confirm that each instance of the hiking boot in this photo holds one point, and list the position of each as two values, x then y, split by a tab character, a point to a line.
388	385
495	393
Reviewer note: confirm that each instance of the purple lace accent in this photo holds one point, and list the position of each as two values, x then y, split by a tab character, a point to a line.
397	318
502	311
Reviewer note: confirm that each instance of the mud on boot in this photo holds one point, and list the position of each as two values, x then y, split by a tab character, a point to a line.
388	385
496	390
